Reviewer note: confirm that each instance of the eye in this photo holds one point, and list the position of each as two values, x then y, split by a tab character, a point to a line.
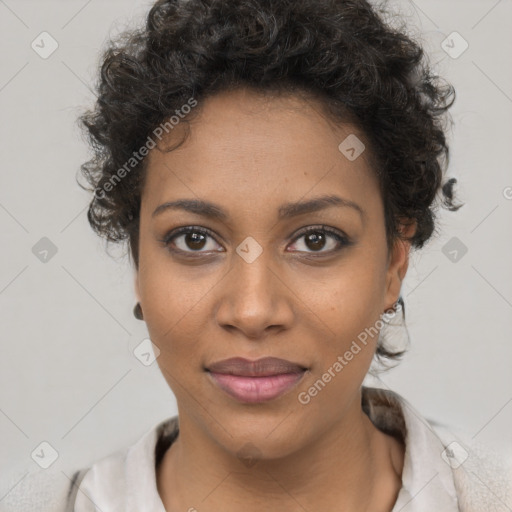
188	237
317	237
192	239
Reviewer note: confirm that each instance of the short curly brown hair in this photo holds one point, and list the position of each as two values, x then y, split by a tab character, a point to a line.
342	52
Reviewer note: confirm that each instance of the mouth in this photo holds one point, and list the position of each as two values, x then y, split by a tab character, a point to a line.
255	381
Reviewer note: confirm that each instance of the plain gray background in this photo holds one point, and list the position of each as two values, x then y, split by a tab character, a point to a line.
68	375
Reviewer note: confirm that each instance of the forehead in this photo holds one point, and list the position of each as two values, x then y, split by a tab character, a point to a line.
244	147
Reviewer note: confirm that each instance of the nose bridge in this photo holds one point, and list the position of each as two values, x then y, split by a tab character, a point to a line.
252	272
253	298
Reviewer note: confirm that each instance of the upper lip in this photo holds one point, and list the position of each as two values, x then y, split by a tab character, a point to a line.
263	367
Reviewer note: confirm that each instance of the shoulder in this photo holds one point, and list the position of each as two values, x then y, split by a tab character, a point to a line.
482	476
441	460
41	491
106	483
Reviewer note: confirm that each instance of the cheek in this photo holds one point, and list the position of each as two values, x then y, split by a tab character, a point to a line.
174	302
349	311
348	308
352	296
168	291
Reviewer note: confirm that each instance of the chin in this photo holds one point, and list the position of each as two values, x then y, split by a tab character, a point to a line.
260	436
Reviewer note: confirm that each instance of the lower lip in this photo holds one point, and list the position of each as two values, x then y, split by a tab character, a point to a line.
256	389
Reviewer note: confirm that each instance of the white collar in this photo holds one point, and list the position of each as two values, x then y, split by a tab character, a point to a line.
427	480
126	480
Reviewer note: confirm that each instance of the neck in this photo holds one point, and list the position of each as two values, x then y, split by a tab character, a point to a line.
352	466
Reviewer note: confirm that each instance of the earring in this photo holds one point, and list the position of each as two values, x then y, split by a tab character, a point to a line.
137	312
391	312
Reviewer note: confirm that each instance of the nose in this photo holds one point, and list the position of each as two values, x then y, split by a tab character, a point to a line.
255	299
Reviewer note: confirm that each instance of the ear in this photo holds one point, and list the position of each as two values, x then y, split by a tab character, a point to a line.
398	263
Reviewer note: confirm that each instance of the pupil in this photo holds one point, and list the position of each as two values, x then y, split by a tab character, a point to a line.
315	240
196	239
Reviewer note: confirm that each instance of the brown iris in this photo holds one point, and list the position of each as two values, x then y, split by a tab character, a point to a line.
195	240
315	240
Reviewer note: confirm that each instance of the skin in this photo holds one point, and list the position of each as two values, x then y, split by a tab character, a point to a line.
251	154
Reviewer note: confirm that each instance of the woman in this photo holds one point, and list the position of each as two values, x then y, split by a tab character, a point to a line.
271	165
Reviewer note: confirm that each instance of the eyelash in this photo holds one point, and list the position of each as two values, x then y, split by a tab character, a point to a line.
342	240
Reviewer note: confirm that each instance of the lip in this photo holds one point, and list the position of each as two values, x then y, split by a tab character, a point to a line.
263	367
255	381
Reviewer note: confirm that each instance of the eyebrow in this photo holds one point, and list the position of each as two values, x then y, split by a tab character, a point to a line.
286	211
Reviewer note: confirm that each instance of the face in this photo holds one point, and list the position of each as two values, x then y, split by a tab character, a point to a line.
255	277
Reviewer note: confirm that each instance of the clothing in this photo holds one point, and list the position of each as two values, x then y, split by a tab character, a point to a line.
441	473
